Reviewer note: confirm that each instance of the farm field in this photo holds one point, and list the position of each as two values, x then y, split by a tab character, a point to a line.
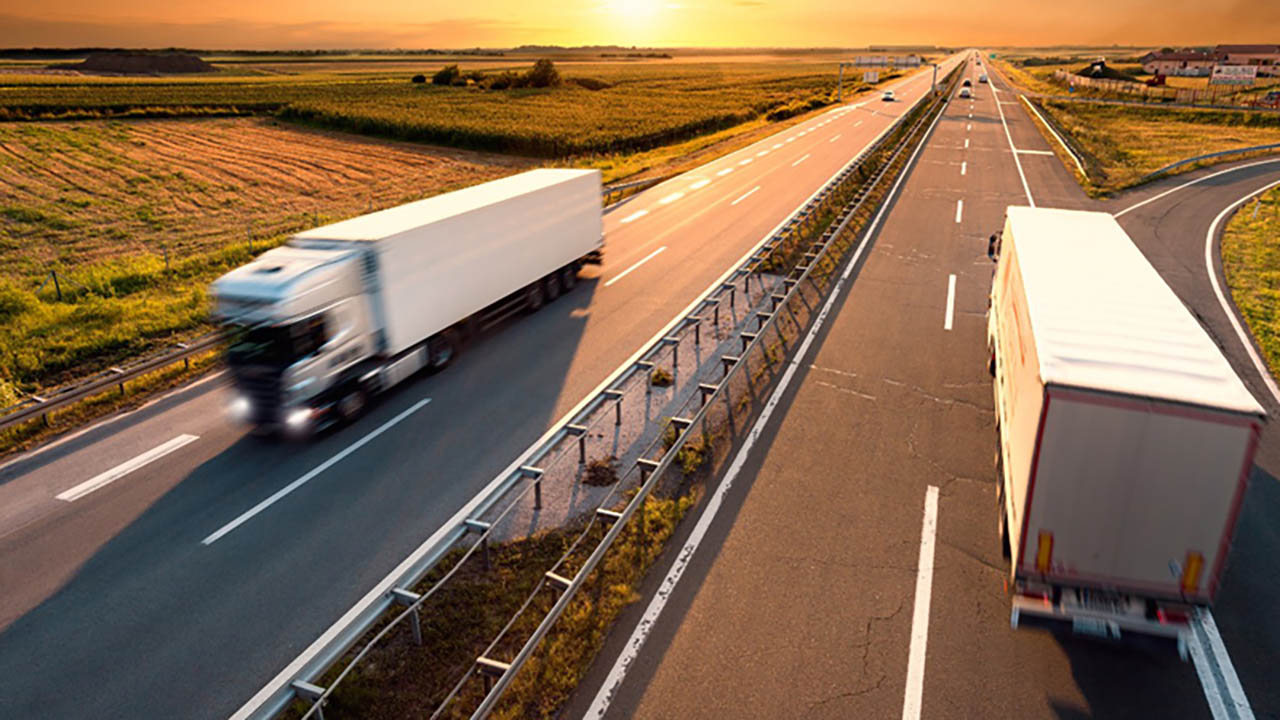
101	202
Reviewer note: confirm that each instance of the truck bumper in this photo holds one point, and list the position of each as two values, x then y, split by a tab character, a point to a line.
1042	612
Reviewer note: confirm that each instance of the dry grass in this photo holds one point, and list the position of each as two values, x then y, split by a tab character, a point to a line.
1251	263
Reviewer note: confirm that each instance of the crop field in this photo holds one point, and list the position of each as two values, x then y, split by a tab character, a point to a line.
637	106
103	202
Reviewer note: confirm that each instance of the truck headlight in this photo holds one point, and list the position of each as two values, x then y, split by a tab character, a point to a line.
298	419
239	408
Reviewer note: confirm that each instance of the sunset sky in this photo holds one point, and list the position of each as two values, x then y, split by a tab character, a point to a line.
504	23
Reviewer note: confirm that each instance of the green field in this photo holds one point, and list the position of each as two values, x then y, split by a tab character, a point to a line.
1251	263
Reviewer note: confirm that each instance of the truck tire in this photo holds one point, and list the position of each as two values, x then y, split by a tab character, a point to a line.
534	297
441	349
352	403
568	277
552	283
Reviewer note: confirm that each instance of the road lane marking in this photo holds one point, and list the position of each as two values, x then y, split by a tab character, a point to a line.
671	198
790	139
724	172
966	143
1214	667
806	157
777	146
1189	183
959	210
837	137
1210	268
102	480
700	184
951	302
911	700
1016	161
762	153
1034	152
636	640
964	165
1055	134
635	216
312	474
745	196
745	162
857	123
629	270
968	127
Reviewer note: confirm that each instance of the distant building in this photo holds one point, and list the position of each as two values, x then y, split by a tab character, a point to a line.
1266	57
1192	63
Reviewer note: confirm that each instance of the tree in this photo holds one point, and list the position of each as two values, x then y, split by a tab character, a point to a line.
543	74
447	75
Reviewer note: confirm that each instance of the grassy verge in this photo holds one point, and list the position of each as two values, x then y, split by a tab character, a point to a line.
1123	144
401	679
1251	263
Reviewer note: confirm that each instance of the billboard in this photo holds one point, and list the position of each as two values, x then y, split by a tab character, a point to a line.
871	77
1233	75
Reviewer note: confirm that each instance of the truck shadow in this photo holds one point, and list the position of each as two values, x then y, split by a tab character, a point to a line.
134	587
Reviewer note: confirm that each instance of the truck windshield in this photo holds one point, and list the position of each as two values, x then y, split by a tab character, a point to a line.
277	345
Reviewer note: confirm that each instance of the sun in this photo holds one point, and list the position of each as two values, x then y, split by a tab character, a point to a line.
633	9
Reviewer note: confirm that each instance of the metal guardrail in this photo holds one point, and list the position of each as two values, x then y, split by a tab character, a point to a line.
616	193
1208	156
39	406
562	445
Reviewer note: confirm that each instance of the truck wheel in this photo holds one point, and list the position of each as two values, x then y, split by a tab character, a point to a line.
441	348
552	283
568	277
352	404
534	297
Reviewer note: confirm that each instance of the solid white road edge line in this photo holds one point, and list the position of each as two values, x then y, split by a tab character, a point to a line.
277	495
959	210
1227	308
806	157
1056	136
1238	703
951	302
627	272
104	479
746	195
613	681
914	693
634	216
1189	183
1012	149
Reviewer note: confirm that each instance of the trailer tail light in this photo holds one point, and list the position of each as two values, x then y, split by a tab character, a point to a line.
1173	616
1191	573
1044	552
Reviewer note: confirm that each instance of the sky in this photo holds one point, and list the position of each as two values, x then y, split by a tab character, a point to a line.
297	24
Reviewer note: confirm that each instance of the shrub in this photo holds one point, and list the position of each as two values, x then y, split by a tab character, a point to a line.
544	74
419	79
590	83
602	471
446	75
661	377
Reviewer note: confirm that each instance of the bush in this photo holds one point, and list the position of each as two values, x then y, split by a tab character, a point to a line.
419	79
446	75
602	471
544	74
590	83
661	377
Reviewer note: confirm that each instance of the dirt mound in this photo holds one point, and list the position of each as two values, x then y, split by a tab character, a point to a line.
140	64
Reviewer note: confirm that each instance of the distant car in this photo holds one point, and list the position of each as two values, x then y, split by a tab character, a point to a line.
966	83
888	96
982	78
964	92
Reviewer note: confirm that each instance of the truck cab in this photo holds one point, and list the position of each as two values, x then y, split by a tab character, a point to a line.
297	319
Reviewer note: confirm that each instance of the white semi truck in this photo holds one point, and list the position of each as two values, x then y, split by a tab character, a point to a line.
1124	437
342	312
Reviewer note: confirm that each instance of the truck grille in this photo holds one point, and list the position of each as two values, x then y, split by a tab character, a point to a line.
262	386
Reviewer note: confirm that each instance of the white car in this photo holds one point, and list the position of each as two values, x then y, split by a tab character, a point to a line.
964	92
982	78
888	96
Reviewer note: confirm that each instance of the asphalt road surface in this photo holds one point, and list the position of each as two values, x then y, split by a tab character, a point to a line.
114	604
809	595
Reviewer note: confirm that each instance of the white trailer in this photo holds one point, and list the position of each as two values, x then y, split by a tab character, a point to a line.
347	310
1124	437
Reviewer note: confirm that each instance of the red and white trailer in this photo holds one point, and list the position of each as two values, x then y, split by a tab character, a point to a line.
1125	438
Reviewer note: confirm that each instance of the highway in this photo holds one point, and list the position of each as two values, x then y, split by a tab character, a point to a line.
852	567
166	564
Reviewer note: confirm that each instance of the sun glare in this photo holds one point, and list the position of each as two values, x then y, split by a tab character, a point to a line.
634	9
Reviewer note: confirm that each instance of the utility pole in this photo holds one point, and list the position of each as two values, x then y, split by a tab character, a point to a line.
840	85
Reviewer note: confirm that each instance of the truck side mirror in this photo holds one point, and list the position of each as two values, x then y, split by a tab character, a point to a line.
993	248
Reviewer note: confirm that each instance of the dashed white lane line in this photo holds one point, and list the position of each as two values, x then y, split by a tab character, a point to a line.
104	479
777	146
724	172
964	165
966	143
857	123
634	216
762	153
837	137
311	474
951	302
700	184
632	269
968	127
671	198
745	195
911	700
790	139
806	157
745	161
959	210
1034	152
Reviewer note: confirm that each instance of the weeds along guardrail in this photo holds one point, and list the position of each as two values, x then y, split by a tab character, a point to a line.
37	407
752	319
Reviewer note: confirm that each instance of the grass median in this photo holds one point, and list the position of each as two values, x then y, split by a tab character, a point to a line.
1251	263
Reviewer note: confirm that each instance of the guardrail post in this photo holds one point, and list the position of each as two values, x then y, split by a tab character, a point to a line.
580	432
489	669
704	390
535	474
674	342
615	395
728	361
647	366
482	527
733	291
311	693
697	328
409	599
